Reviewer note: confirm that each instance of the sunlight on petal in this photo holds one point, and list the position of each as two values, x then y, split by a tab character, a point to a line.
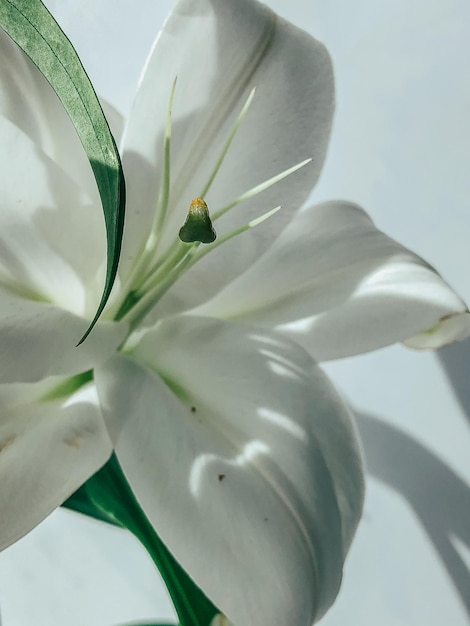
250	452
284	422
338	285
268	473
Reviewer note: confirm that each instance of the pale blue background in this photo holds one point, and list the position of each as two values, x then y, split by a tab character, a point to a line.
400	147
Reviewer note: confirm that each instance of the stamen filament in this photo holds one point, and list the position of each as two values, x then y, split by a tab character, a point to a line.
151	297
192	255
199	254
259	188
228	143
139	272
171	262
164	194
247	195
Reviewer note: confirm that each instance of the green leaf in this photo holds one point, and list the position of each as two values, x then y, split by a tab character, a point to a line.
33	28
107	496
81	503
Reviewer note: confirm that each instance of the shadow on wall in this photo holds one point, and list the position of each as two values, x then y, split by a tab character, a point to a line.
439	498
455	361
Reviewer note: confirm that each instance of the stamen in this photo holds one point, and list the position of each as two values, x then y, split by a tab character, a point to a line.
198	224
259	188
198	253
164	193
140	268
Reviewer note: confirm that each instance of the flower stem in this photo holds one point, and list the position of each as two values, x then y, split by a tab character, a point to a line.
108	497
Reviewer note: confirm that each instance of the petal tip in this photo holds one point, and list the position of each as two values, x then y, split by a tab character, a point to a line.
449	329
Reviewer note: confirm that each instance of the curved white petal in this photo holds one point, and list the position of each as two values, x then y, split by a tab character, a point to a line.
47	450
449	328
52	236
245	460
219	50
38	339
28	101
52	264
339	286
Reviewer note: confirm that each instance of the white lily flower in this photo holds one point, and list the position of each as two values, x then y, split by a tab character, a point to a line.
237	447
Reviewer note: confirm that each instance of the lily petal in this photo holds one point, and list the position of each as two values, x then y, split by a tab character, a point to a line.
449	328
47	450
244	459
49	286
219	50
52	236
38	339
335	283
28	101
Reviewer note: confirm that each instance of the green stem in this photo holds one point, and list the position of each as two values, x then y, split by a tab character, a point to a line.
107	496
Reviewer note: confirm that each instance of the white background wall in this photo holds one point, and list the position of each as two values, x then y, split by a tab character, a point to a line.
401	148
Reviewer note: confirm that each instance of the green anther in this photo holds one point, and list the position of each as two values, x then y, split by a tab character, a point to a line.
198	224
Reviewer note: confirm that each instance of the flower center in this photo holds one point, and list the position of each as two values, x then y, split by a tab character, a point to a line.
151	276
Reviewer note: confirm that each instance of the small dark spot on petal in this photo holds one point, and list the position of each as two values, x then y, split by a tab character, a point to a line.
221	477
73	441
193	409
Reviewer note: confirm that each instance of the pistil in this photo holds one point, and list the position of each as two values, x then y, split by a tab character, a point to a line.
198	224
